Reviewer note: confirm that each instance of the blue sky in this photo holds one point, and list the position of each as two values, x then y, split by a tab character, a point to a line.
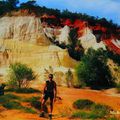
109	9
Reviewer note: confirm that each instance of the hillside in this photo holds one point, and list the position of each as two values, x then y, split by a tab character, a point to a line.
68	45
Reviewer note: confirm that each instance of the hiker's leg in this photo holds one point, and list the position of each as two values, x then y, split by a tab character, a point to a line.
43	104
51	105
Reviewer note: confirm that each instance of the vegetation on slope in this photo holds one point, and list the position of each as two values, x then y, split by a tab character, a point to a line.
93	70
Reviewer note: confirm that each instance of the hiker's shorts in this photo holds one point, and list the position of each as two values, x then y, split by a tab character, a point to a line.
48	95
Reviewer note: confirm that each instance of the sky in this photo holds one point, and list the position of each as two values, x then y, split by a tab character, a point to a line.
109	9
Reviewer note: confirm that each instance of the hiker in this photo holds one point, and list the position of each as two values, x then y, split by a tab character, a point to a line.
49	91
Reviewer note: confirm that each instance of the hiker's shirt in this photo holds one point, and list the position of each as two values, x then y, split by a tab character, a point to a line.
50	85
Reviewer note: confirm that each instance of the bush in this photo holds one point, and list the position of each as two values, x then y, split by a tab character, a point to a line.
93	70
17	105
20	75
8	97
12	105
26	90
100	110
83	104
23	90
93	110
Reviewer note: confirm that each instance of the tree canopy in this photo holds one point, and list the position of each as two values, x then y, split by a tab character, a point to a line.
93	70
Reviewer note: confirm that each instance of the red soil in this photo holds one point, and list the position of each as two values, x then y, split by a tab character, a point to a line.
64	106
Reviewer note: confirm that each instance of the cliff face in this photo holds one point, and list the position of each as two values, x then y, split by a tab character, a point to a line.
95	36
27	28
88	40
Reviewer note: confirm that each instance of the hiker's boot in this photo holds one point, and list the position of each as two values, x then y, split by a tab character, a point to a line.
50	115
42	114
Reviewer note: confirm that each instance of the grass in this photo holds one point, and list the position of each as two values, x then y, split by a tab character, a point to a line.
85	115
87	109
23	90
17	105
101	110
83	104
11	101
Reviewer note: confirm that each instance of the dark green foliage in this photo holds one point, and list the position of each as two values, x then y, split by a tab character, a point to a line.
74	43
11	4
7	97
20	75
86	115
27	90
12	105
94	71
23	90
8	6
83	104
93	110
17	105
101	110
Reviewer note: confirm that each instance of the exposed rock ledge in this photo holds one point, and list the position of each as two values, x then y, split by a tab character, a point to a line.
24	28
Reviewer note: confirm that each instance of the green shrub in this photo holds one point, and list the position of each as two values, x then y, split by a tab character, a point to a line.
17	105
23	90
85	115
101	109
83	104
93	70
7	97
20	75
12	105
94	110
26	90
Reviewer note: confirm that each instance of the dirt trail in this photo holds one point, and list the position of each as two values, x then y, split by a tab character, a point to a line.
64	106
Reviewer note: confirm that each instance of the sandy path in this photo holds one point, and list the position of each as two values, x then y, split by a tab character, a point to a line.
64	106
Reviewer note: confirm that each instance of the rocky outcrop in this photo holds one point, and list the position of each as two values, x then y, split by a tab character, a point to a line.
61	35
23	28
64	36
88	40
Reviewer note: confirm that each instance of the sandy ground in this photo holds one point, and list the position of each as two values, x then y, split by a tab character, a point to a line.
64	106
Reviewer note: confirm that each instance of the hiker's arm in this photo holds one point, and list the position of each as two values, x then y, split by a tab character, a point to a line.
55	90
44	88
